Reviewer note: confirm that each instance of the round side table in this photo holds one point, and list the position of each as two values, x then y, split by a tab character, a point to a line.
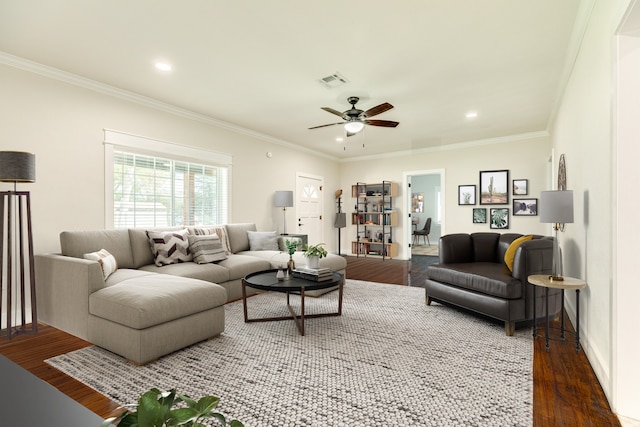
569	283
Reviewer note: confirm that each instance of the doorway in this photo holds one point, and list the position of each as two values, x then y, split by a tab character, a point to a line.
309	207
424	199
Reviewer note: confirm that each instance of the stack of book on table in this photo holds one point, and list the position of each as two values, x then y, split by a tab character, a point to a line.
315	274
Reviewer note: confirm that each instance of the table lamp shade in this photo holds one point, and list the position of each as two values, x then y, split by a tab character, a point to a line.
556	206
284	199
17	166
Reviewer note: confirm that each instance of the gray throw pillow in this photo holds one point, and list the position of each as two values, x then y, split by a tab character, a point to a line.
263	240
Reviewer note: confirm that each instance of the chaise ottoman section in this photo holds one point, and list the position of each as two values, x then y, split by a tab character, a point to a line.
149	315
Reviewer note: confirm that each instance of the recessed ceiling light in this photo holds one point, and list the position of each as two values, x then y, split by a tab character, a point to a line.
339	139
163	66
471	115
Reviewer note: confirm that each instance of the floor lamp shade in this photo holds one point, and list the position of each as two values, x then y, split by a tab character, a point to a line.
17	166
556	207
284	200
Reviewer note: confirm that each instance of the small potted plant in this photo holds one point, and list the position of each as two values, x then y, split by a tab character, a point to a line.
314	253
292	247
155	409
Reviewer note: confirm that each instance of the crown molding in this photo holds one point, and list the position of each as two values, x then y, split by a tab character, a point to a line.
83	82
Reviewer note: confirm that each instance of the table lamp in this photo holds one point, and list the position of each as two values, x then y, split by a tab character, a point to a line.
556	207
284	200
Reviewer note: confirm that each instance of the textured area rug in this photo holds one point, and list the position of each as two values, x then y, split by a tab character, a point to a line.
389	360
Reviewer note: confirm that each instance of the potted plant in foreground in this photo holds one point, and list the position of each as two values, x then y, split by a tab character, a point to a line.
154	410
314	253
292	247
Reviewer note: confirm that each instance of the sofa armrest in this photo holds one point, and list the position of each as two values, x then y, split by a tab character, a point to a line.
63	286
533	257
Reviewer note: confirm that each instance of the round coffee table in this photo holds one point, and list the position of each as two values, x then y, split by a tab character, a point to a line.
267	281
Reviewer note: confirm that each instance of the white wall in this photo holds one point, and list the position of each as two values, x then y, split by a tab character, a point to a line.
597	170
63	125
524	157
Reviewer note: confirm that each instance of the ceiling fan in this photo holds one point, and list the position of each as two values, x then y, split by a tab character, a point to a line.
355	119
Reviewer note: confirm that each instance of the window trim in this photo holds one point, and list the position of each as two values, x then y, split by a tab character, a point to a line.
120	141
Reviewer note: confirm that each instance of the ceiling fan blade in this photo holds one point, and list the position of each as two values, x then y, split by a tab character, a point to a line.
378	109
351	134
383	123
330	124
332	111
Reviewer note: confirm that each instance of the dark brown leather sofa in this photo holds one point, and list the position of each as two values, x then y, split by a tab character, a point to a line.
472	274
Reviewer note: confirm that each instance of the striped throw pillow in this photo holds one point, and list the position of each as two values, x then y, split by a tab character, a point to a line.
107	261
206	249
169	247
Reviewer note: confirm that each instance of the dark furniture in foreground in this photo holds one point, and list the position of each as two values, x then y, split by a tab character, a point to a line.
472	274
267	281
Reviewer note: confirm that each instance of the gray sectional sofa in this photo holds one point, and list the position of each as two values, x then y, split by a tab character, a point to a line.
472	274
143	311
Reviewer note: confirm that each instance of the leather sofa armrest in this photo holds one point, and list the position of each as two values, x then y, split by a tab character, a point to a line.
533	257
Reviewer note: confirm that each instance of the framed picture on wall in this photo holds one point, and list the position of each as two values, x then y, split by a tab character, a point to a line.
479	215
525	207
494	187
520	188
466	194
499	218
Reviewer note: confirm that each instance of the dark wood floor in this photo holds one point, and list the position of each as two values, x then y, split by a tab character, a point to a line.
566	390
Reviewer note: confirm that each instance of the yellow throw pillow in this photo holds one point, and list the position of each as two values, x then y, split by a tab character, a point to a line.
510	254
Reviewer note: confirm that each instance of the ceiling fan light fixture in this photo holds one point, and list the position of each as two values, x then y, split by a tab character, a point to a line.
353	126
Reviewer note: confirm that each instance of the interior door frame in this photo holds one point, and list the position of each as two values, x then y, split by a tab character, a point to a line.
319	178
407	234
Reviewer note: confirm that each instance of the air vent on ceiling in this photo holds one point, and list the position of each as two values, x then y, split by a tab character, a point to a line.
333	80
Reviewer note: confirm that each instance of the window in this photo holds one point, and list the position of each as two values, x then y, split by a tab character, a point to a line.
158	190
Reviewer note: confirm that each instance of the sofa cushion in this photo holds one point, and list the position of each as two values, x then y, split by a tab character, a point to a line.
206	249
485	246
170	247
263	240
77	243
484	277
237	236
151	300
210	272
218	230
239	266
108	263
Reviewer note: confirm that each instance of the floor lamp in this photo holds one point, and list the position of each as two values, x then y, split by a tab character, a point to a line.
15	230
284	200
556	207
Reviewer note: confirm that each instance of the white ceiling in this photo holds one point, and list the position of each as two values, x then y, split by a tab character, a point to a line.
257	64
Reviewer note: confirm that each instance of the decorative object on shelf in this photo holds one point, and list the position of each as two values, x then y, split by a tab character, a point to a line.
525	207
284	200
156	405
499	218
314	253
15	167
556	207
479	215
520	187
494	187
466	194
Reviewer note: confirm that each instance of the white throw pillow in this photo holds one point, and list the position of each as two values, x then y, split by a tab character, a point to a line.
263	240
169	247
107	262
206	249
